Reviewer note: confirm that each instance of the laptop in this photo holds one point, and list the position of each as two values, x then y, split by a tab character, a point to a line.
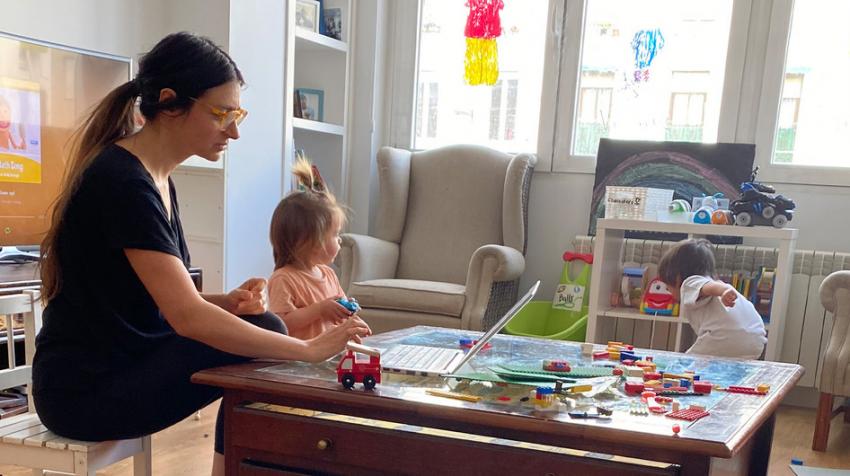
438	361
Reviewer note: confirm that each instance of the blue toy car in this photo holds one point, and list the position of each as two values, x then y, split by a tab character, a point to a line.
350	304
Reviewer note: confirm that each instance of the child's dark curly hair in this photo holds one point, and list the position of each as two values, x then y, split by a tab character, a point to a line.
686	258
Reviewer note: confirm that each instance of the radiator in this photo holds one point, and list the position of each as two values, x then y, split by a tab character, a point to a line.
807	324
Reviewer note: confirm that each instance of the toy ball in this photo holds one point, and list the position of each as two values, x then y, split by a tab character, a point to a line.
679	206
703	215
722	217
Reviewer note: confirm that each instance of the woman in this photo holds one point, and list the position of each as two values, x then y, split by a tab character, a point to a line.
124	327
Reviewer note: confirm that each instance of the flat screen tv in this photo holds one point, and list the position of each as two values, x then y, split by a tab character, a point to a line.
46	91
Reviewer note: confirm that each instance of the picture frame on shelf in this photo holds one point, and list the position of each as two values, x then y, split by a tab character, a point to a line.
308	14
297	106
333	23
312	103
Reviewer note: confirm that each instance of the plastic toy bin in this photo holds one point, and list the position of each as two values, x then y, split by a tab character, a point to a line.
539	319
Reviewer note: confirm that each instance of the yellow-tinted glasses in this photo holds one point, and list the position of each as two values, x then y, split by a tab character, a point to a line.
226	117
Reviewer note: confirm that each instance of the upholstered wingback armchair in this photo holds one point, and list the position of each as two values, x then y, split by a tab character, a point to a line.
449	239
835	371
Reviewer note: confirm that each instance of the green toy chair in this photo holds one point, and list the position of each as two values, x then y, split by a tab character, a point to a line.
539	319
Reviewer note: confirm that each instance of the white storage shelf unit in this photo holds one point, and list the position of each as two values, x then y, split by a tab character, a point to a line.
609	250
323	63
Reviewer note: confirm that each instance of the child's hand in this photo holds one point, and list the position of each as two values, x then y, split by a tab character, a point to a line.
332	311
728	297
249	298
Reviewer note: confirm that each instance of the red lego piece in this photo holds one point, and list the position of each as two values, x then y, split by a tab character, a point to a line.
617	371
688	414
634	388
600	355
747	390
676	429
651	376
702	387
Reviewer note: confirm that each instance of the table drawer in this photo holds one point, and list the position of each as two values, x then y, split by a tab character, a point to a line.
343	447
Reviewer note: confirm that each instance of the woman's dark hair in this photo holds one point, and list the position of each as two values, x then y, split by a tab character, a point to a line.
686	258
186	63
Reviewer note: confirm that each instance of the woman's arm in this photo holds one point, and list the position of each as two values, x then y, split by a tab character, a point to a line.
248	298
171	287
327	309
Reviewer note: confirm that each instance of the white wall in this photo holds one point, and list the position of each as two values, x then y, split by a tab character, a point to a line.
119	27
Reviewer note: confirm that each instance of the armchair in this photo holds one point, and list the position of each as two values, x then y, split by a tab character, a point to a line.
835	371
449	239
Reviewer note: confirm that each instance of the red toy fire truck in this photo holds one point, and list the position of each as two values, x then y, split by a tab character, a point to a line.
361	364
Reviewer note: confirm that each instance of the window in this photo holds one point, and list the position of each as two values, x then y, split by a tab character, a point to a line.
503	110
428	93
504	116
594	110
663	63
686	118
574	71
813	123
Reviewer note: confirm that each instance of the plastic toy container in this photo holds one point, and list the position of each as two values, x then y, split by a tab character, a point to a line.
539	319
636	203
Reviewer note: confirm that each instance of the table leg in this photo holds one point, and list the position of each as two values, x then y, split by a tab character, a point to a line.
760	452
231	459
696	466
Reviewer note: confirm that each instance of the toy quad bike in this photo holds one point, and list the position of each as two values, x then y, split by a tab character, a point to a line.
760	205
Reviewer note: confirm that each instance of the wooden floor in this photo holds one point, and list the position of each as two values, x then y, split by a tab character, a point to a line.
186	448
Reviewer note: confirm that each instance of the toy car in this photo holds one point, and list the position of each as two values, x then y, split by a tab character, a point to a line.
360	364
556	365
760	205
351	304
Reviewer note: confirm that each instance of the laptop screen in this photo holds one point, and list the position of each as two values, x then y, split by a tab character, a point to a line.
499	325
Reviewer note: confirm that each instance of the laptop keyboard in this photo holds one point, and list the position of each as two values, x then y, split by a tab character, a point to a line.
418	357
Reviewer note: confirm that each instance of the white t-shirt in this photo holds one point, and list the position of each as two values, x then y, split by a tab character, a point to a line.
736	331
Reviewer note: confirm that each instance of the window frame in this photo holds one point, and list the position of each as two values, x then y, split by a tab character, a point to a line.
779	38
749	110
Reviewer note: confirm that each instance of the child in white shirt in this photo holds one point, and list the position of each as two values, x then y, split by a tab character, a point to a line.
725	325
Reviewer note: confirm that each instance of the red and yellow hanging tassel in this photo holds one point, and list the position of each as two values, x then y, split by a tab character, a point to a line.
483	25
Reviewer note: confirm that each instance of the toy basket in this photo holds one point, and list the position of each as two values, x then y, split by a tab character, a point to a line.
636	203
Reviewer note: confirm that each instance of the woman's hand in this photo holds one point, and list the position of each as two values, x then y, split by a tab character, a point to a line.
249	298
332	311
333	340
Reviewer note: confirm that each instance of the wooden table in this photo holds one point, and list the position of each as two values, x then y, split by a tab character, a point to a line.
290	417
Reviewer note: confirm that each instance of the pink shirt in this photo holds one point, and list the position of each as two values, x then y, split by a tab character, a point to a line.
291	289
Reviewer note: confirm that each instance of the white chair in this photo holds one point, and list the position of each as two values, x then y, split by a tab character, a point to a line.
835	371
24	441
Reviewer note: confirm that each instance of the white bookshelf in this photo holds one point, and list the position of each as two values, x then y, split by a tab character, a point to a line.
319	62
608	258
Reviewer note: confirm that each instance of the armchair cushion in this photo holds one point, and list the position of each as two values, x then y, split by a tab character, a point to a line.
410	295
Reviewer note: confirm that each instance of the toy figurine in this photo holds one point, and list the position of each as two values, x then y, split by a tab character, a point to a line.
760	205
350	304
359	364
658	300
